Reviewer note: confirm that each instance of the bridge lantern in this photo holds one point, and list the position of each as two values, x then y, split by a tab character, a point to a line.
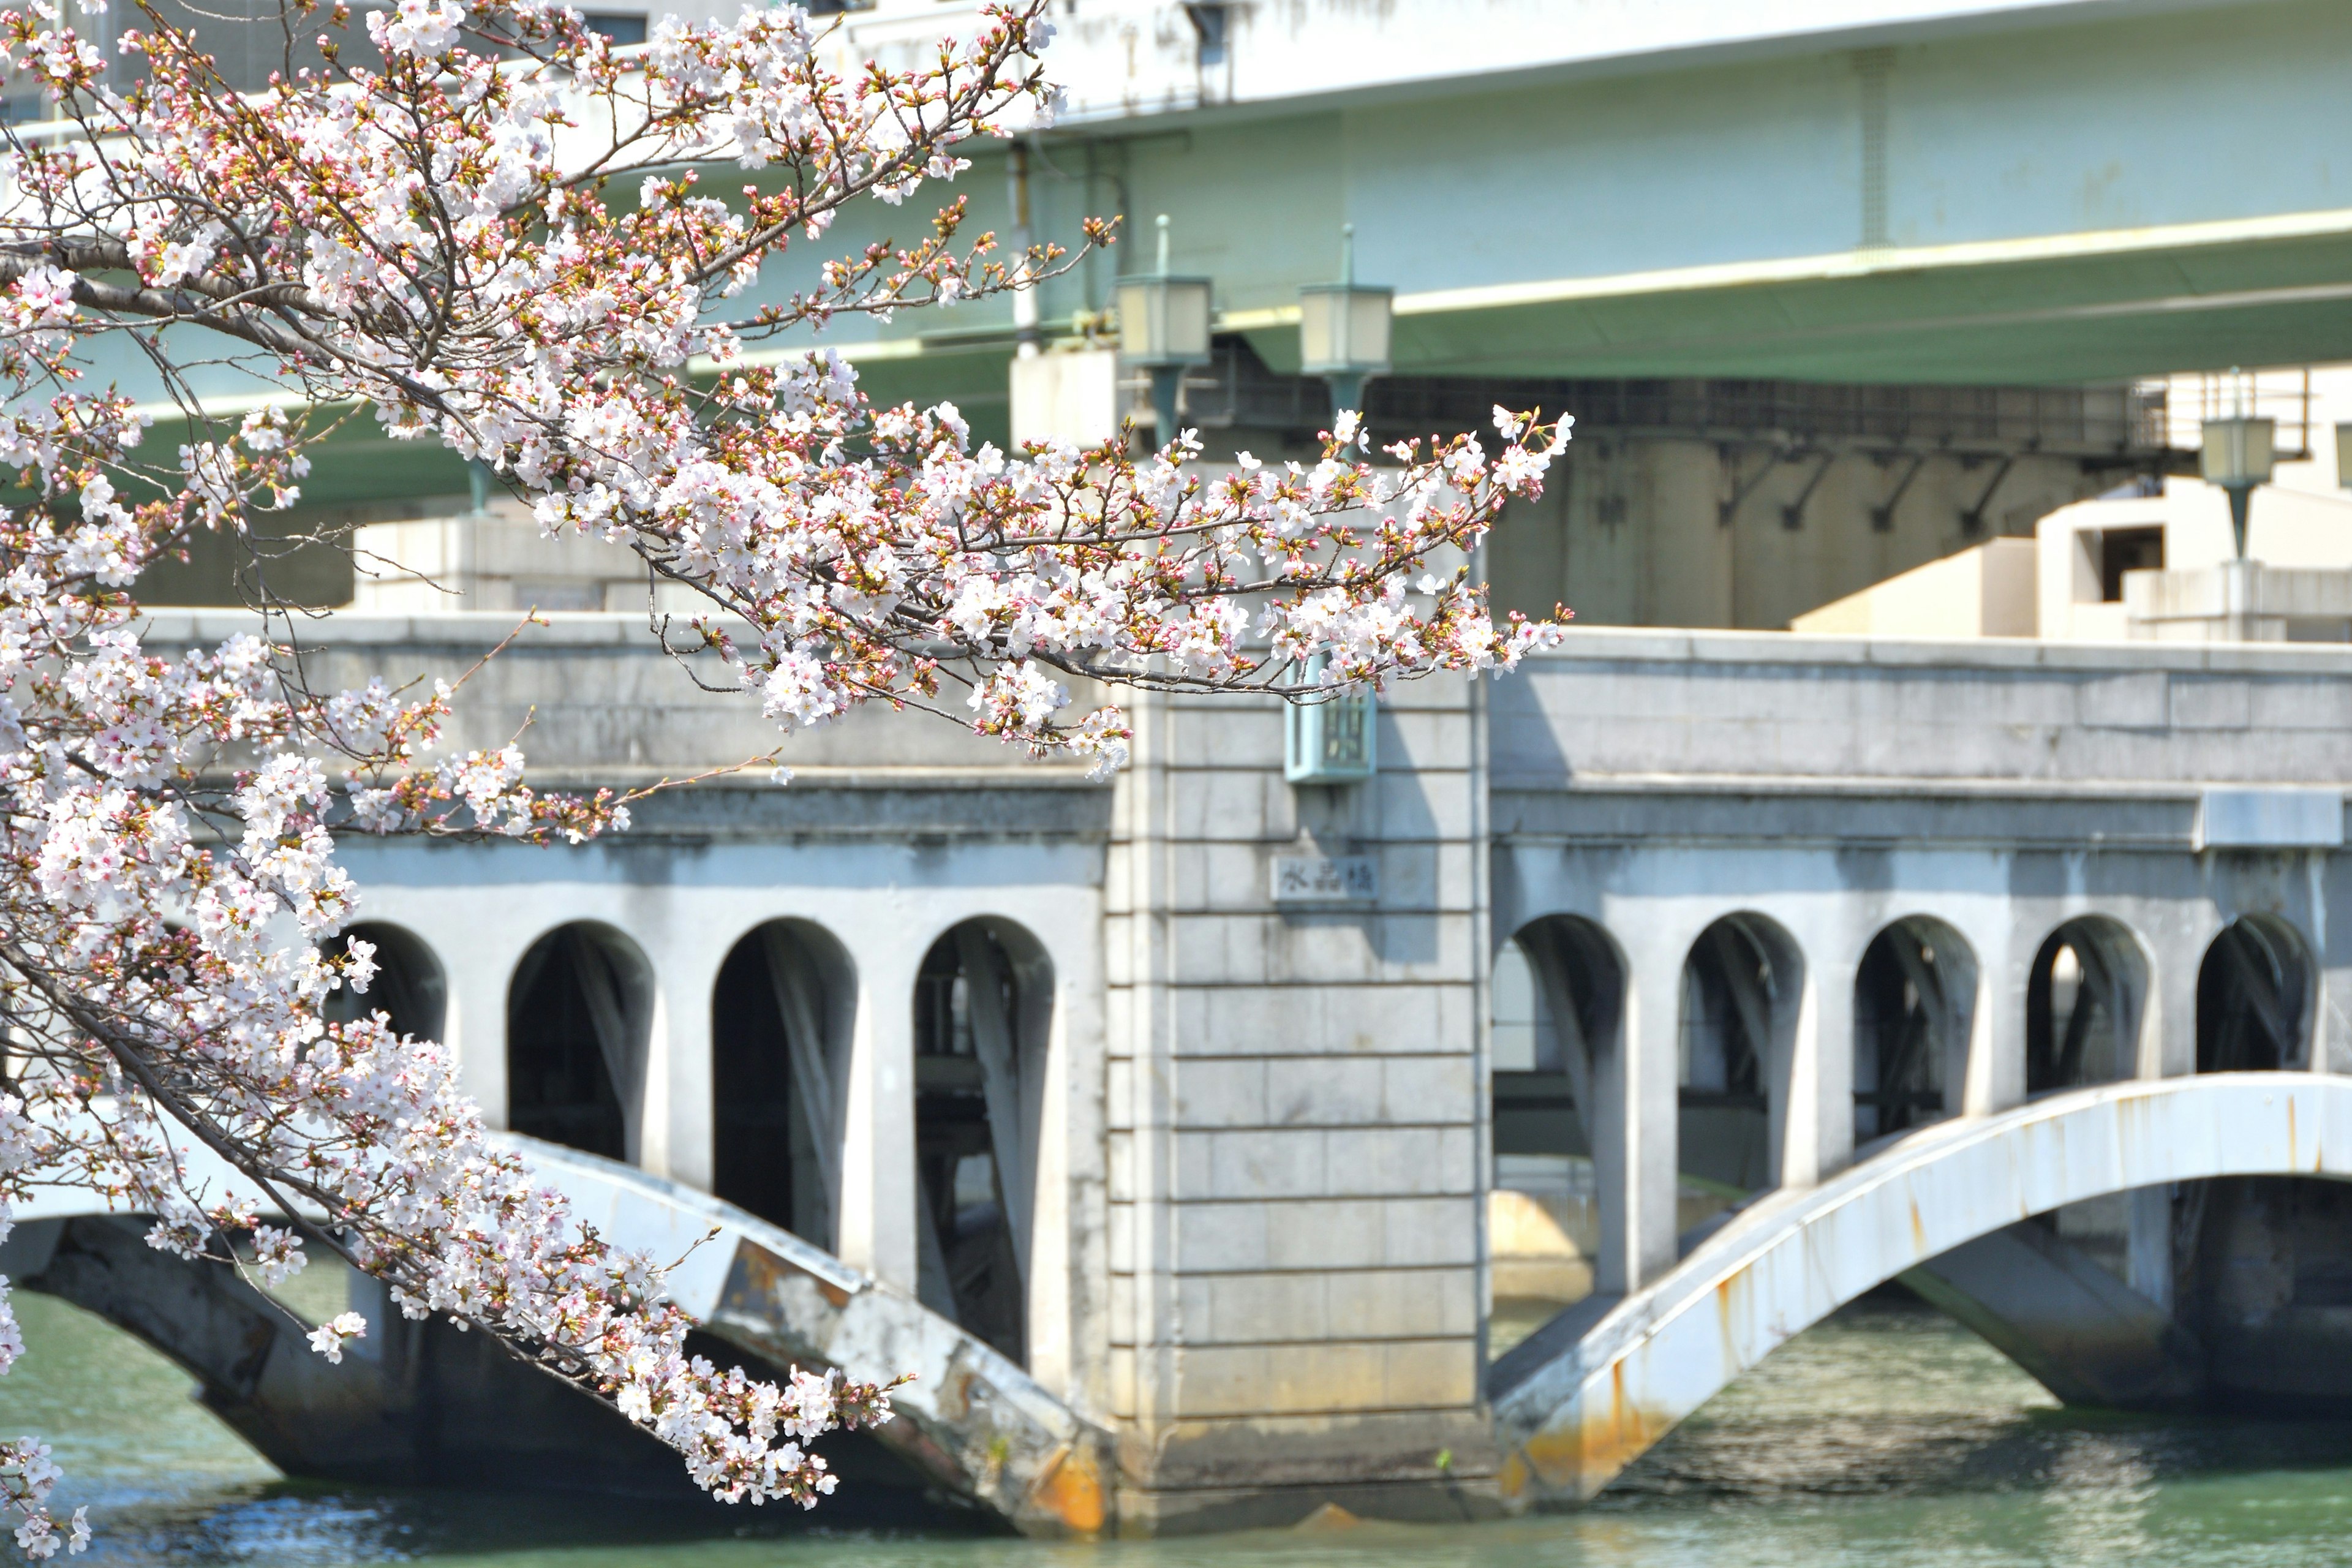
1163	328
2237	457
1343	328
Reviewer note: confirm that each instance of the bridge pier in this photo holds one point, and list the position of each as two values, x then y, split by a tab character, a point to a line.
2084	1334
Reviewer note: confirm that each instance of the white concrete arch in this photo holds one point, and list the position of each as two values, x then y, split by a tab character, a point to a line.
2118	973
1573	1409
971	1422
619	987
782	1011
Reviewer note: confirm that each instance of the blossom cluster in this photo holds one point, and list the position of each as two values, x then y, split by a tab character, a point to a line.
503	235
481	226
168	893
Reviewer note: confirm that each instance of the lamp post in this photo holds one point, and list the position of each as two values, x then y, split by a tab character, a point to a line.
2236	455
1343	330
1163	328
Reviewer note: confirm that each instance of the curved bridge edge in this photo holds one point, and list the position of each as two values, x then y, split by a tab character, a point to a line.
1570	1425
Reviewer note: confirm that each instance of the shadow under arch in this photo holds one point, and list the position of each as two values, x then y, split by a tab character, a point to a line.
983	1023
1557	1026
1743	988
409	987
579	1027
2085	997
1914	1002
2254	994
1571	1412
782	1009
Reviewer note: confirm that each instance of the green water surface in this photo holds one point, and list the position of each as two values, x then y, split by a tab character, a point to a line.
1886	1437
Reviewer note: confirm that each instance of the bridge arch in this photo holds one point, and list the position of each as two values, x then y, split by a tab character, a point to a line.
2085	1005
580	1011
984	1007
1571	1414
431	1405
2255	992
782	1010
1743	997
410	985
1915	1002
1558	1023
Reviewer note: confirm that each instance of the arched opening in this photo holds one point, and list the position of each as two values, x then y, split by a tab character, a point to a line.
579	1018
2083	1001
780	1021
2253	998
1914	1000
1743	985
408	987
983	1013
1558	999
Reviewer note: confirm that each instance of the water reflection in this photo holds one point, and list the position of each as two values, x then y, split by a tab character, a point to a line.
1886	1437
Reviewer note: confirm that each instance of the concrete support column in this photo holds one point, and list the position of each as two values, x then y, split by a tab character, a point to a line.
2168	1038
677	1078
1827	1021
1633	1132
878	1213
474	1024
1995	1076
2149	1259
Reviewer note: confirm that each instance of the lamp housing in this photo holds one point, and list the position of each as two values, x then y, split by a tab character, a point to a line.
1343	328
2237	452
1163	321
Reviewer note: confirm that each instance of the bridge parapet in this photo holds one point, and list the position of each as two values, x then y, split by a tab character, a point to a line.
1767	712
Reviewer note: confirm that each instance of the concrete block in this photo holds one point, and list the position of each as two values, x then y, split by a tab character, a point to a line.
1436	805
1218	1093
1427	1232
1261	1309
1382	1161
1121	1370
2210	702
1119	1303
1330	1019
1425	739
1120	1108
1264	1163
1118	1229
1325	1091
1431	1375
1234	877
1119	1159
1413	1303
1326	1377
1222	1380
1221	804
1227	1238
1432	1089
1328	1234
1232	734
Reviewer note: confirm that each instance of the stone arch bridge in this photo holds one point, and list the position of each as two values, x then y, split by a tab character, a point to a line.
1187	1133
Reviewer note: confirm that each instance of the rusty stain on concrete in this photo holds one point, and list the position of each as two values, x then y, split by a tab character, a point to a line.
1070	1490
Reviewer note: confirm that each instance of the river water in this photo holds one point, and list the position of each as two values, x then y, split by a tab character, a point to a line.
1886	1437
